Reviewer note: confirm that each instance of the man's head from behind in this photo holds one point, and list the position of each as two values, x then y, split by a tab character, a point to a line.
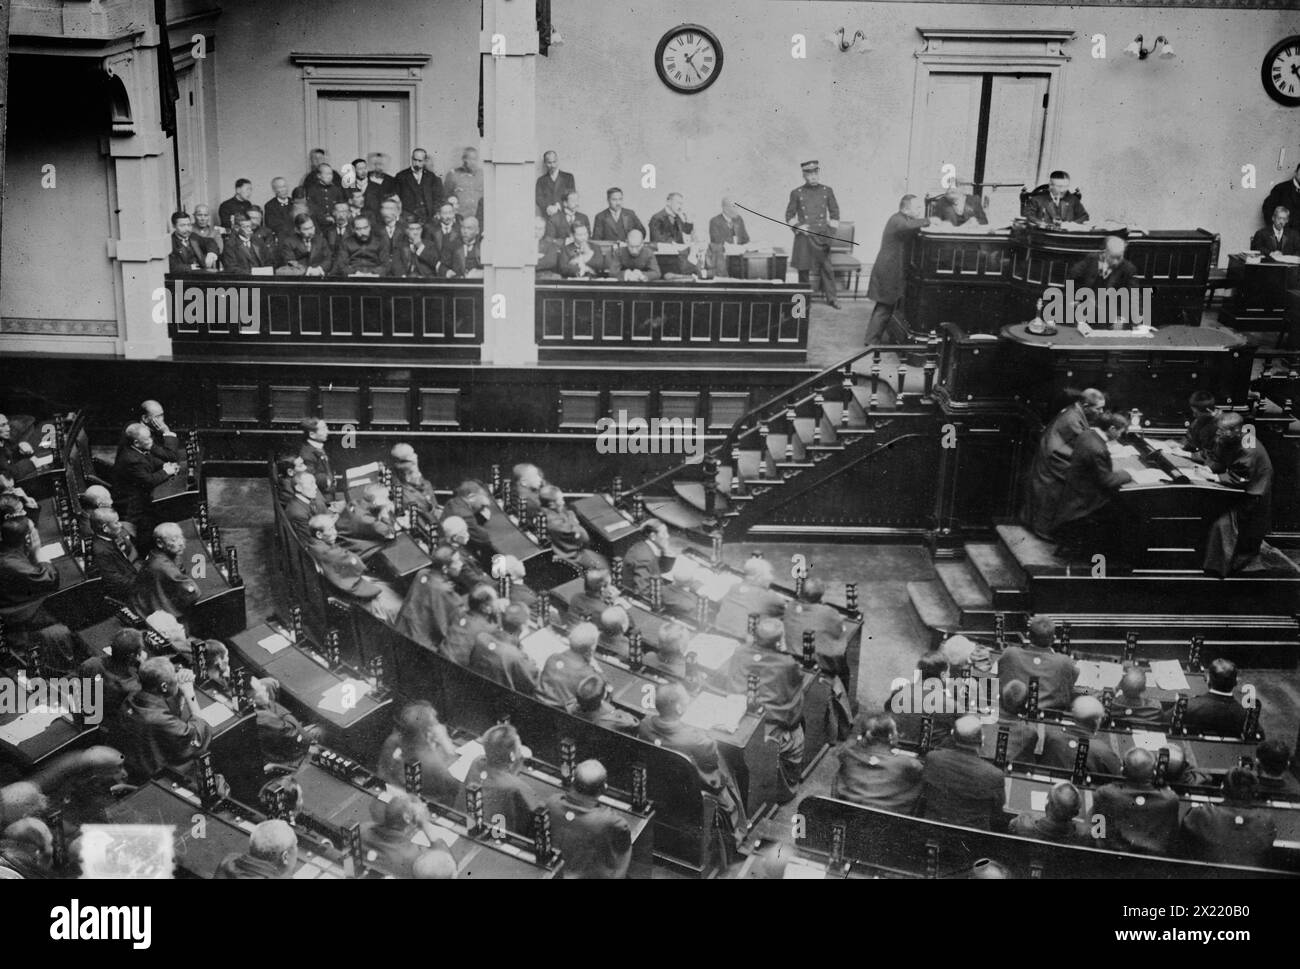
1042	632
1133	684
590	693
769	634
1088	712
880	729
1013	697
582	638
274	842
758	572
613	622
671	700
594	581
968	732
1222	675
501	746
1139	766
158	676
1240	784
1063	802
1273	757
590	778
127	648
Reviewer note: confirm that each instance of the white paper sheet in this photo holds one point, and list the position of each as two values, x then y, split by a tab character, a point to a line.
542	645
467	755
340	699
48	553
1168	674
274	643
215	714
1148	740
710	711
1038	800
30	724
712	651
1148	476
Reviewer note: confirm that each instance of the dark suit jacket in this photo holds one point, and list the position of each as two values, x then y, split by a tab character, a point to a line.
548	255
1283	193
1039	206
780	680
318	463
119	567
594	841
569	261
276	218
296	253
163	584
430	609
1087	275
1266	242
421	199
156	734
944	209
480	542
465	258
503	662
300	513
241	257
230	208
1229	834
665	227
1214	715
1061	746
505	795
962	788
24	586
322	197
355	256
1090	480
722	231
622	259
192	252
550	192
407	264
1149	827
135	475
886	284
377	192
607	228
878	777
560	227
562	674
1056	674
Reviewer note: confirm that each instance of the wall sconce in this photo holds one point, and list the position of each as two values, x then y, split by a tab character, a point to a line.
838	37
1161	48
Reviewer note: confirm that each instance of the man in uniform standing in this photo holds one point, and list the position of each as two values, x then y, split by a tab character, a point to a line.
814	215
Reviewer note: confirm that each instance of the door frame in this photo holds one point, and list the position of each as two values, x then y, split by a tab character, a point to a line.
360	73
987	50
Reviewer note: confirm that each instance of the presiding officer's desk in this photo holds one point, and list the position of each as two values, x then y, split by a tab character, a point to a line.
983	280
1259	293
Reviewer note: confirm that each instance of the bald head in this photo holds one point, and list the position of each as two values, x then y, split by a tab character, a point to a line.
274	841
590	778
1114	246
1139	765
1133	683
96	496
455	530
1088	711
1063	802
614	621
968	732
769	633
671	700
758	572
403	811
169	537
1093	401
436	864
582	638
104	521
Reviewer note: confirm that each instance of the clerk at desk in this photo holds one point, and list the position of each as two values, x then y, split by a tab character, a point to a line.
1106	269
1054	202
1277	239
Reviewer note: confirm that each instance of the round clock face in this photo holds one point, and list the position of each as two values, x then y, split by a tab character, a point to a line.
688	58
1280	71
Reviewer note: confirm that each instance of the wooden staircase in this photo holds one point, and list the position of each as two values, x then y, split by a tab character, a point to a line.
788	444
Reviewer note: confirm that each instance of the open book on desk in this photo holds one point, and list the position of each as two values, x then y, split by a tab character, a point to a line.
1147	476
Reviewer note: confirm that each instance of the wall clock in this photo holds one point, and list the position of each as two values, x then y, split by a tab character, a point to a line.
1280	71
688	58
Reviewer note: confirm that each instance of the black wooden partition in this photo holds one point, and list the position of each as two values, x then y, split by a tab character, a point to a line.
683	814
914	846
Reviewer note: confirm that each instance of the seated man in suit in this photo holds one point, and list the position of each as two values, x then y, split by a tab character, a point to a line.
564	671
190	252
669	653
499	658
455	533
1056	672
1060	821
315	432
357	204
508	801
1055	203
339	226
418	497
665	728
528	482
432	605
467	254
207	229
1235	832
1087	521
1140	817
163	583
415	259
245	252
388	842
304	503
25	583
1022	737
1059	743
161	726
613	623
287	464
269	240
1273	758
388	230
346	572
560	225
670	224
91	500
615	223
473	506
1277	239
443	235
478	624
634	262
1216	713
579	259
590	703
1132	708
648	559
809	614
594	841
115	555
569	540
420	736
366	526
276	215
272	854
143	463
590	602
1199	441
304	252
957	208
931	673
548	251
780	693
727	228
874	773
1106	269
361	253
15	455
958	785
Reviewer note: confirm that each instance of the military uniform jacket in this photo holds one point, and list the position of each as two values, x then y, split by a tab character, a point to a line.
813	206
163	584
594	841
878	777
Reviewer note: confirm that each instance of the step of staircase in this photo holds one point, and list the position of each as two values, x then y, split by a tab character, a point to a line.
1034	555
934	606
1002	577
967	592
